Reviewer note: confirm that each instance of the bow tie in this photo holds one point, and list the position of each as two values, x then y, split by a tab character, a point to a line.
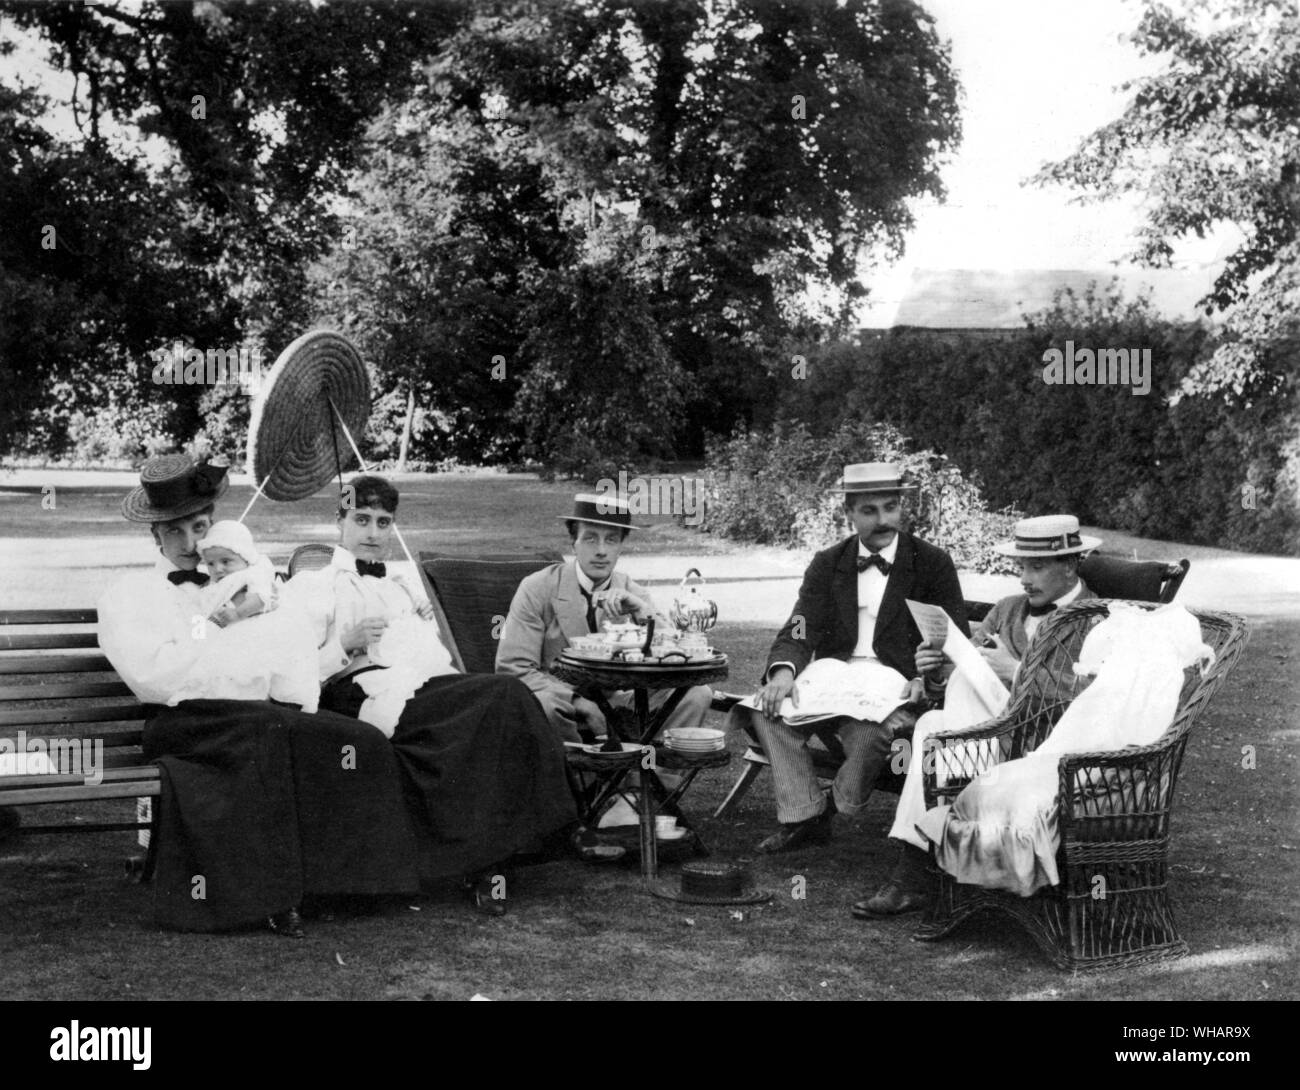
875	560
1041	611
176	578
372	567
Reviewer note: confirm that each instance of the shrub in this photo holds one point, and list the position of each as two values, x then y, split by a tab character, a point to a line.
1207	470
769	487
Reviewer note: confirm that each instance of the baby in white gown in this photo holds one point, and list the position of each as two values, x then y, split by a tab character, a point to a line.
261	650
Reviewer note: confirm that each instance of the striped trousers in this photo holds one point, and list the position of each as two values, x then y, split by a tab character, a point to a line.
794	778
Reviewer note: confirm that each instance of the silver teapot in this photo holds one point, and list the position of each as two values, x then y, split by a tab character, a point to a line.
691	611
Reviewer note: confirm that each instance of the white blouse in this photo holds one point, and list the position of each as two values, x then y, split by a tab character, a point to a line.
336	597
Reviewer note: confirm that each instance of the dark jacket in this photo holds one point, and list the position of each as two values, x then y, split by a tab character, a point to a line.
824	623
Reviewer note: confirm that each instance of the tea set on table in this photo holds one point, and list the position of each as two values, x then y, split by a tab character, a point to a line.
630	643
626	644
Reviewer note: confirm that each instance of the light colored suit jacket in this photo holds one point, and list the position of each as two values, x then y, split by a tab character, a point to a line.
549	610
1007	620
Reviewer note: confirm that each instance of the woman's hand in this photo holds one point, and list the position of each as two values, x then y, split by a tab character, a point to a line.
224	615
361	635
424	610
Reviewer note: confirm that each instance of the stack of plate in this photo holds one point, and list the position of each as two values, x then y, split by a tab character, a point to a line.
695	740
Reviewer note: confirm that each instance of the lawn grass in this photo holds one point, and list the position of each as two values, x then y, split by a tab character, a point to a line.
72	927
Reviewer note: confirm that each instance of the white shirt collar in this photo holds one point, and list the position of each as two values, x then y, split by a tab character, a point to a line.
165	567
887	553
343	560
584	580
1070	595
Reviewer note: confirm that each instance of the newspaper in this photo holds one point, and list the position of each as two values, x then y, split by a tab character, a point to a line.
939	631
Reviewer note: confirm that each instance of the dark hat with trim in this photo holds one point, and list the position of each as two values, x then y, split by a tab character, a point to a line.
603	510
173	486
1049	536
707	883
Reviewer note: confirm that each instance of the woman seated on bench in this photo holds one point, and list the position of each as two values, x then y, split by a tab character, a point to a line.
477	755
261	804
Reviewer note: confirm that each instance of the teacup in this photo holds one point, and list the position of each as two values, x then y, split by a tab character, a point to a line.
665	826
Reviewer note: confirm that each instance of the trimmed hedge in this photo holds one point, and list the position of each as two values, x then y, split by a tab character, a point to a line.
1202	470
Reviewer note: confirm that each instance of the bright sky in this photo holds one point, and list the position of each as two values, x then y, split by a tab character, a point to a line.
1037	76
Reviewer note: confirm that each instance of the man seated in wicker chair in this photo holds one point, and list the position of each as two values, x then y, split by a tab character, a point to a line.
572	598
1049	550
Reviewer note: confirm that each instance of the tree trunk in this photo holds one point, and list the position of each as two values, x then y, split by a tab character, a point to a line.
406	430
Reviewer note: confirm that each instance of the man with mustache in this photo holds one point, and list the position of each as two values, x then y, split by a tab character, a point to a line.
1049	550
852	606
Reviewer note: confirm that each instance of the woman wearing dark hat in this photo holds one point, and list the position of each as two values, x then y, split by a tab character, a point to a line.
482	774
261	804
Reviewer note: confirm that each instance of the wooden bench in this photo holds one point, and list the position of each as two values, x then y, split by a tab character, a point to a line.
56	685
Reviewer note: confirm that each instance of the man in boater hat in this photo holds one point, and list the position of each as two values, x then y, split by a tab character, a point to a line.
573	598
852	607
256	810
1049	549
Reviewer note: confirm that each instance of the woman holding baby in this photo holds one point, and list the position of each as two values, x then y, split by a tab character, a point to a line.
263	804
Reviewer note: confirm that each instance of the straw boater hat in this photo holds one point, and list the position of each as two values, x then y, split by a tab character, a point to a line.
602	510
231	535
1048	535
709	883
173	486
871	477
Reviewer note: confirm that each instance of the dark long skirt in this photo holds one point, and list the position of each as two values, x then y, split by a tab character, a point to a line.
483	775
262	805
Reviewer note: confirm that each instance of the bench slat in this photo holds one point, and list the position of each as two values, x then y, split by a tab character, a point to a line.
132	774
40	716
54	664
48	616
64	690
123	738
82	793
60	641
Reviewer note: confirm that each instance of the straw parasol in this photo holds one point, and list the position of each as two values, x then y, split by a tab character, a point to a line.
310	404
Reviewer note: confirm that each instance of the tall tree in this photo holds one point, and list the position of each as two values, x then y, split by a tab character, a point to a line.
1214	139
715	170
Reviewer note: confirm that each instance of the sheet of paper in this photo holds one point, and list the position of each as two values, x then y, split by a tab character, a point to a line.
933	622
863	690
984	683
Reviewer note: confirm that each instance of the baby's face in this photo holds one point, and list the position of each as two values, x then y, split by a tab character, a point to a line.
221	562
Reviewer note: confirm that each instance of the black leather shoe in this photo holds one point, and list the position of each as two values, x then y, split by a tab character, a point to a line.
891	899
799	834
287	925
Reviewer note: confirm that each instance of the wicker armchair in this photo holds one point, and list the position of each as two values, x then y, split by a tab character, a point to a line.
1112	907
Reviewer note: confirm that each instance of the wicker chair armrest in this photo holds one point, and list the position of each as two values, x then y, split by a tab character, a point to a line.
964	753
1106	784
